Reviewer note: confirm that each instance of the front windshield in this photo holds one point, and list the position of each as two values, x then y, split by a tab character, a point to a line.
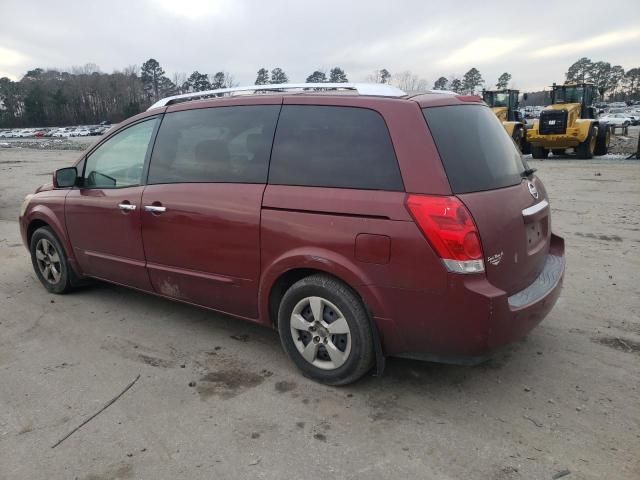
496	99
569	95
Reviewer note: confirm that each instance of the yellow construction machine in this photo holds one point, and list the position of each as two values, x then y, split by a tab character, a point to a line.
504	103
570	122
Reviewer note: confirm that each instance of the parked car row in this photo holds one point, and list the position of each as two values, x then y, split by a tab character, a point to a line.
621	119
64	132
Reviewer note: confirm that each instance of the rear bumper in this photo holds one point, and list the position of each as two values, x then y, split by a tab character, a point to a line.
473	318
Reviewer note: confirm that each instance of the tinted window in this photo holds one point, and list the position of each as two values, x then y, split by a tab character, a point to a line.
333	147
119	161
223	144
475	149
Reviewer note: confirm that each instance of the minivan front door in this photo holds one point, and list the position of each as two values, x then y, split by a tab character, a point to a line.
103	214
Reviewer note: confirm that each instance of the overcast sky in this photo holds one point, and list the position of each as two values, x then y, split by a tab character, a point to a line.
535	41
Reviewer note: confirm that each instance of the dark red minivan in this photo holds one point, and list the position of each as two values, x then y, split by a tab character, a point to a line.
359	221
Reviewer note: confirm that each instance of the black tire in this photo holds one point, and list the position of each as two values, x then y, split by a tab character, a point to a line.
360	355
587	149
518	137
539	152
602	142
43	239
558	151
525	147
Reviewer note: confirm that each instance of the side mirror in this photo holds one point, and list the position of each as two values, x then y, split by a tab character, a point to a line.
65	177
525	96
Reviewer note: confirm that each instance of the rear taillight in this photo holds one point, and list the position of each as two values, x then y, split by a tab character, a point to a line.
449	228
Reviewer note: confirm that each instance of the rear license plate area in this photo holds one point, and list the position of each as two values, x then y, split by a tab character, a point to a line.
536	234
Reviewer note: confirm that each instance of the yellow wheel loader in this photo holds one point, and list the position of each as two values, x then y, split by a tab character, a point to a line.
504	103
570	122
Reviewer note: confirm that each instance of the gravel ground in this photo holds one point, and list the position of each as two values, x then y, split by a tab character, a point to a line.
563	400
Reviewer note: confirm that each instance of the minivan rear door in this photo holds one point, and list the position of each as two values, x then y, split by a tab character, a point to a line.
487	173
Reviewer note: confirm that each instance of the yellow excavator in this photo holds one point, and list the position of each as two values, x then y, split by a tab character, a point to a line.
570	122
504	103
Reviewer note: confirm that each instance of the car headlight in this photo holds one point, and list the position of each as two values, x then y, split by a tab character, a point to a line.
25	204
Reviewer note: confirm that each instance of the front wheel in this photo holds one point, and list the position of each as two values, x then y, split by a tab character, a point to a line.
587	149
325	330
603	140
50	262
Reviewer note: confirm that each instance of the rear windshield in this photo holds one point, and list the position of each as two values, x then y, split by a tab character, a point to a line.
475	149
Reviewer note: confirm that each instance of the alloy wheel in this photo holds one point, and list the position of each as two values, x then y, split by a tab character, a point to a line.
321	333
49	261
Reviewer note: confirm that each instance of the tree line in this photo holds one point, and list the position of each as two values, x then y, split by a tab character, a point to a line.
86	95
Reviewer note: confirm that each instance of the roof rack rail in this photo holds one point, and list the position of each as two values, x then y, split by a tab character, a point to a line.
448	92
376	89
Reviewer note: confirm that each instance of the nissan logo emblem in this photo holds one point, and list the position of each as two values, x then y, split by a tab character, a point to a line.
532	190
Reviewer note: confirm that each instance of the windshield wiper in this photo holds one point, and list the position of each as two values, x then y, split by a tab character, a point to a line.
528	172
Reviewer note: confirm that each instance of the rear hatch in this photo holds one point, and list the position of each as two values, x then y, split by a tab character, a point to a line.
508	204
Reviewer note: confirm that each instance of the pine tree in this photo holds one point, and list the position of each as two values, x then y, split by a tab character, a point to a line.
471	80
440	84
317	77
278	76
197	82
503	81
151	75
579	71
337	75
456	85
263	77
219	80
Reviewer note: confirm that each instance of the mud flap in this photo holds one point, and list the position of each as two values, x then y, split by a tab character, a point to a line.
381	360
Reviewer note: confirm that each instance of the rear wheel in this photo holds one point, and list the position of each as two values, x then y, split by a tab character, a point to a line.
50	262
539	152
587	149
603	140
325	330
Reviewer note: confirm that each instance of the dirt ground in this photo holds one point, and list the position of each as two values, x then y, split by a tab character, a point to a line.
564	403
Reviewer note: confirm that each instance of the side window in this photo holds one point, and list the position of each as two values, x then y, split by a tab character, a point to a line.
119	161
220	144
325	146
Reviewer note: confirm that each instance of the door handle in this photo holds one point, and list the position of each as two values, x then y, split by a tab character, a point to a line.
127	207
155	209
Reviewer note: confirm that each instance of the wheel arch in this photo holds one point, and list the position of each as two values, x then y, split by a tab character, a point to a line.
287	270
43	216
34	225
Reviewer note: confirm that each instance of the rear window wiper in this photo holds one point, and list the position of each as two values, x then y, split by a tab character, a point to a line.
528	172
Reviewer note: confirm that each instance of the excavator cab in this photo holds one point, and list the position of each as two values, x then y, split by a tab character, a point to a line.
504	103
499	100
584	93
